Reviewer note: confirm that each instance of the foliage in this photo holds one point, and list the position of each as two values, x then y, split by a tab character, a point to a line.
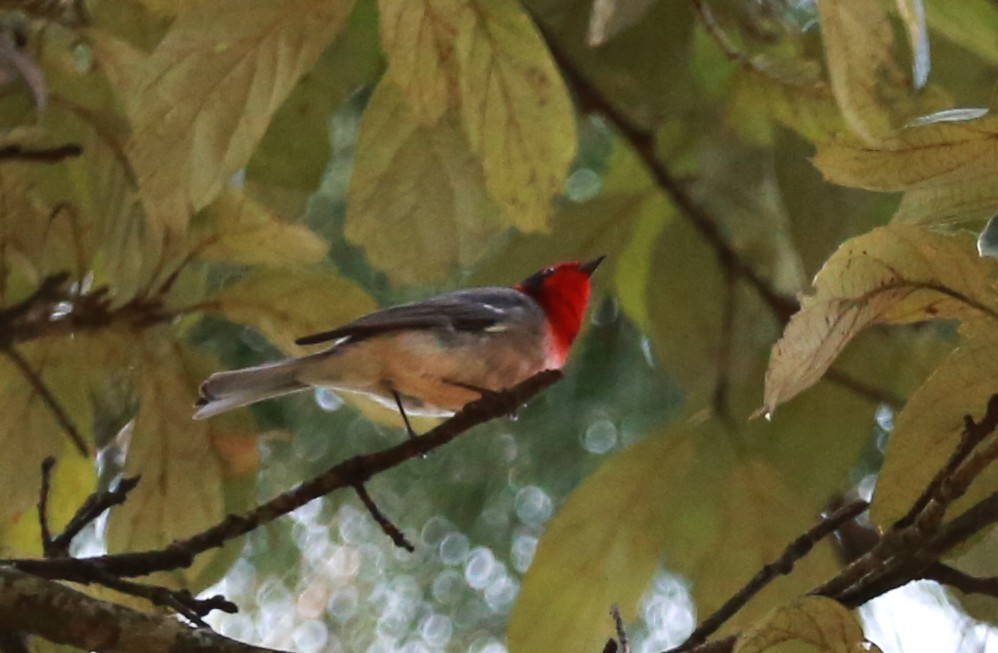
218	178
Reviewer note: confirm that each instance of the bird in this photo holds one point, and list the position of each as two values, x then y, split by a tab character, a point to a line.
431	357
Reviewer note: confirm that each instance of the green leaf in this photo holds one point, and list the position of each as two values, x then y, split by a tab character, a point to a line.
893	274
295	151
867	81
515	109
698	496
940	149
288	304
928	429
417	202
246	232
968	23
208	97
812	623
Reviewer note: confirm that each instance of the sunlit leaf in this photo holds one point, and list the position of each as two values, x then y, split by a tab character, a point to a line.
75	372
515	108
288	304
926	155
815	623
928	429
866	78
969	23
892	274
247	232
417	202
207	100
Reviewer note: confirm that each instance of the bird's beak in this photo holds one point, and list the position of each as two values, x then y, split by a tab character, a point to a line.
590	266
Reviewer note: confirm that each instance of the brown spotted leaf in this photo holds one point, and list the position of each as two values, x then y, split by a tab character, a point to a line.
894	274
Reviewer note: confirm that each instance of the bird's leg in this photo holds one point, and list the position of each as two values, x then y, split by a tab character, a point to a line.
405	418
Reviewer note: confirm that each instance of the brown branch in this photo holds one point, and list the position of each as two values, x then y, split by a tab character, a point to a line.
348	473
391	530
91	509
782	566
43	501
48	399
973	434
41	155
642	140
946	575
618	624
63	615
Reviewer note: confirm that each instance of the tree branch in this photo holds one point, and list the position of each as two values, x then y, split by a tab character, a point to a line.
60	415
349	473
783	565
65	616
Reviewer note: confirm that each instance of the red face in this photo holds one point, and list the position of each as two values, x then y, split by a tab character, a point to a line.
562	290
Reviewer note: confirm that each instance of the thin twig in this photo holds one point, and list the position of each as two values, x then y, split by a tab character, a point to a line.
863	389
783	565
43	504
390	529
348	473
618	624
969	439
946	575
41	155
48	399
91	509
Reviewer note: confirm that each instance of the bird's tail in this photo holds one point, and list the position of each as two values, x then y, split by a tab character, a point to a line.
226	390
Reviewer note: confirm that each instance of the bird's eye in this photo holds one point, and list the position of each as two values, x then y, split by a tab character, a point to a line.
548	270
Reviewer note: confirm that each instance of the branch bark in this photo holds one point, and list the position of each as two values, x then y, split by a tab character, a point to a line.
63	615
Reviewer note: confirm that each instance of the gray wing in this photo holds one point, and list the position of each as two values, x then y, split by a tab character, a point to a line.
463	310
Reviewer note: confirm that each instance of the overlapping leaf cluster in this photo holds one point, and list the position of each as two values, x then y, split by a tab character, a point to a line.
204	130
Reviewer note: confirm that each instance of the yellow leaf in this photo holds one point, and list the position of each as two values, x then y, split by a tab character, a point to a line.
417	202
288	304
939	149
969	23
814	623
209	96
182	487
973	197
249	233
418	38
866	79
515	108
928	429
808	107
893	274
